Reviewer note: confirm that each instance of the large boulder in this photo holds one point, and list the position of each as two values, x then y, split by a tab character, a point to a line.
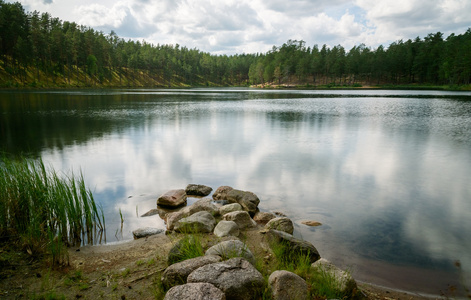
343	280
294	245
145	232
195	291
248	200
286	285
172	198
221	192
198	190
230	249
242	219
201	221
282	224
229	208
226	228
236	277
204	204
263	217
177	273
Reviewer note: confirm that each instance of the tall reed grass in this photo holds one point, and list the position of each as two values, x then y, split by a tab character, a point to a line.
45	211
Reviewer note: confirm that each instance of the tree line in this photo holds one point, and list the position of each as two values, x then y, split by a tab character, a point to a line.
432	60
35	47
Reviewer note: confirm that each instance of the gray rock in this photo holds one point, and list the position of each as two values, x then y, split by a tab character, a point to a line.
288	286
229	208
263	217
295	245
230	249
177	273
226	228
242	218
281	224
145	232
198	190
173	218
177	252
195	291
172	198
248	200
201	221
236	277
344	281
221	192
202	205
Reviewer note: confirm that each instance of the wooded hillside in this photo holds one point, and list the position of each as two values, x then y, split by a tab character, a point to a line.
38	50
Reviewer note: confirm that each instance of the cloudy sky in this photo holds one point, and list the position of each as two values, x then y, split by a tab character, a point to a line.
249	26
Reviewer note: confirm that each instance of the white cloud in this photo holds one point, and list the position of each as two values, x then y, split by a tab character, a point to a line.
229	26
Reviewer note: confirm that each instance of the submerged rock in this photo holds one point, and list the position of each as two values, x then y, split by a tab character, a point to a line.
311	223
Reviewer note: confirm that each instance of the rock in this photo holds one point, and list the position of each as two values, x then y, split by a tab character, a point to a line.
248	200
288	286
201	221
295	245
236	277
311	223
172	198
195	291
221	192
226	228
152	212
177	273
230	249
198	190
263	217
146	231
242	218
202	205
281	224
229	208
344	281
173	218
177	252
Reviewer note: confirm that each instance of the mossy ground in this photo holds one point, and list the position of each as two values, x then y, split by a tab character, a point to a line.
128	270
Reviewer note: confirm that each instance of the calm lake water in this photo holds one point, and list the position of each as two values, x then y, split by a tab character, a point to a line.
387	173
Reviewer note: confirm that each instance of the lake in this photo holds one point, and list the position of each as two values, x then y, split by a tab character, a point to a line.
387	173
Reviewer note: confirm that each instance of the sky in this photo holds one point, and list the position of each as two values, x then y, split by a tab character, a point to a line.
251	26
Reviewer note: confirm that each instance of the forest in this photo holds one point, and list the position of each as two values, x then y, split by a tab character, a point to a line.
38	50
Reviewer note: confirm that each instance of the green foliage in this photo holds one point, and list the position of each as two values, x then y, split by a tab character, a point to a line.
46	211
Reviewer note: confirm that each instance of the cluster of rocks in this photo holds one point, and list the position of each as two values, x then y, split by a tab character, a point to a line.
227	271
